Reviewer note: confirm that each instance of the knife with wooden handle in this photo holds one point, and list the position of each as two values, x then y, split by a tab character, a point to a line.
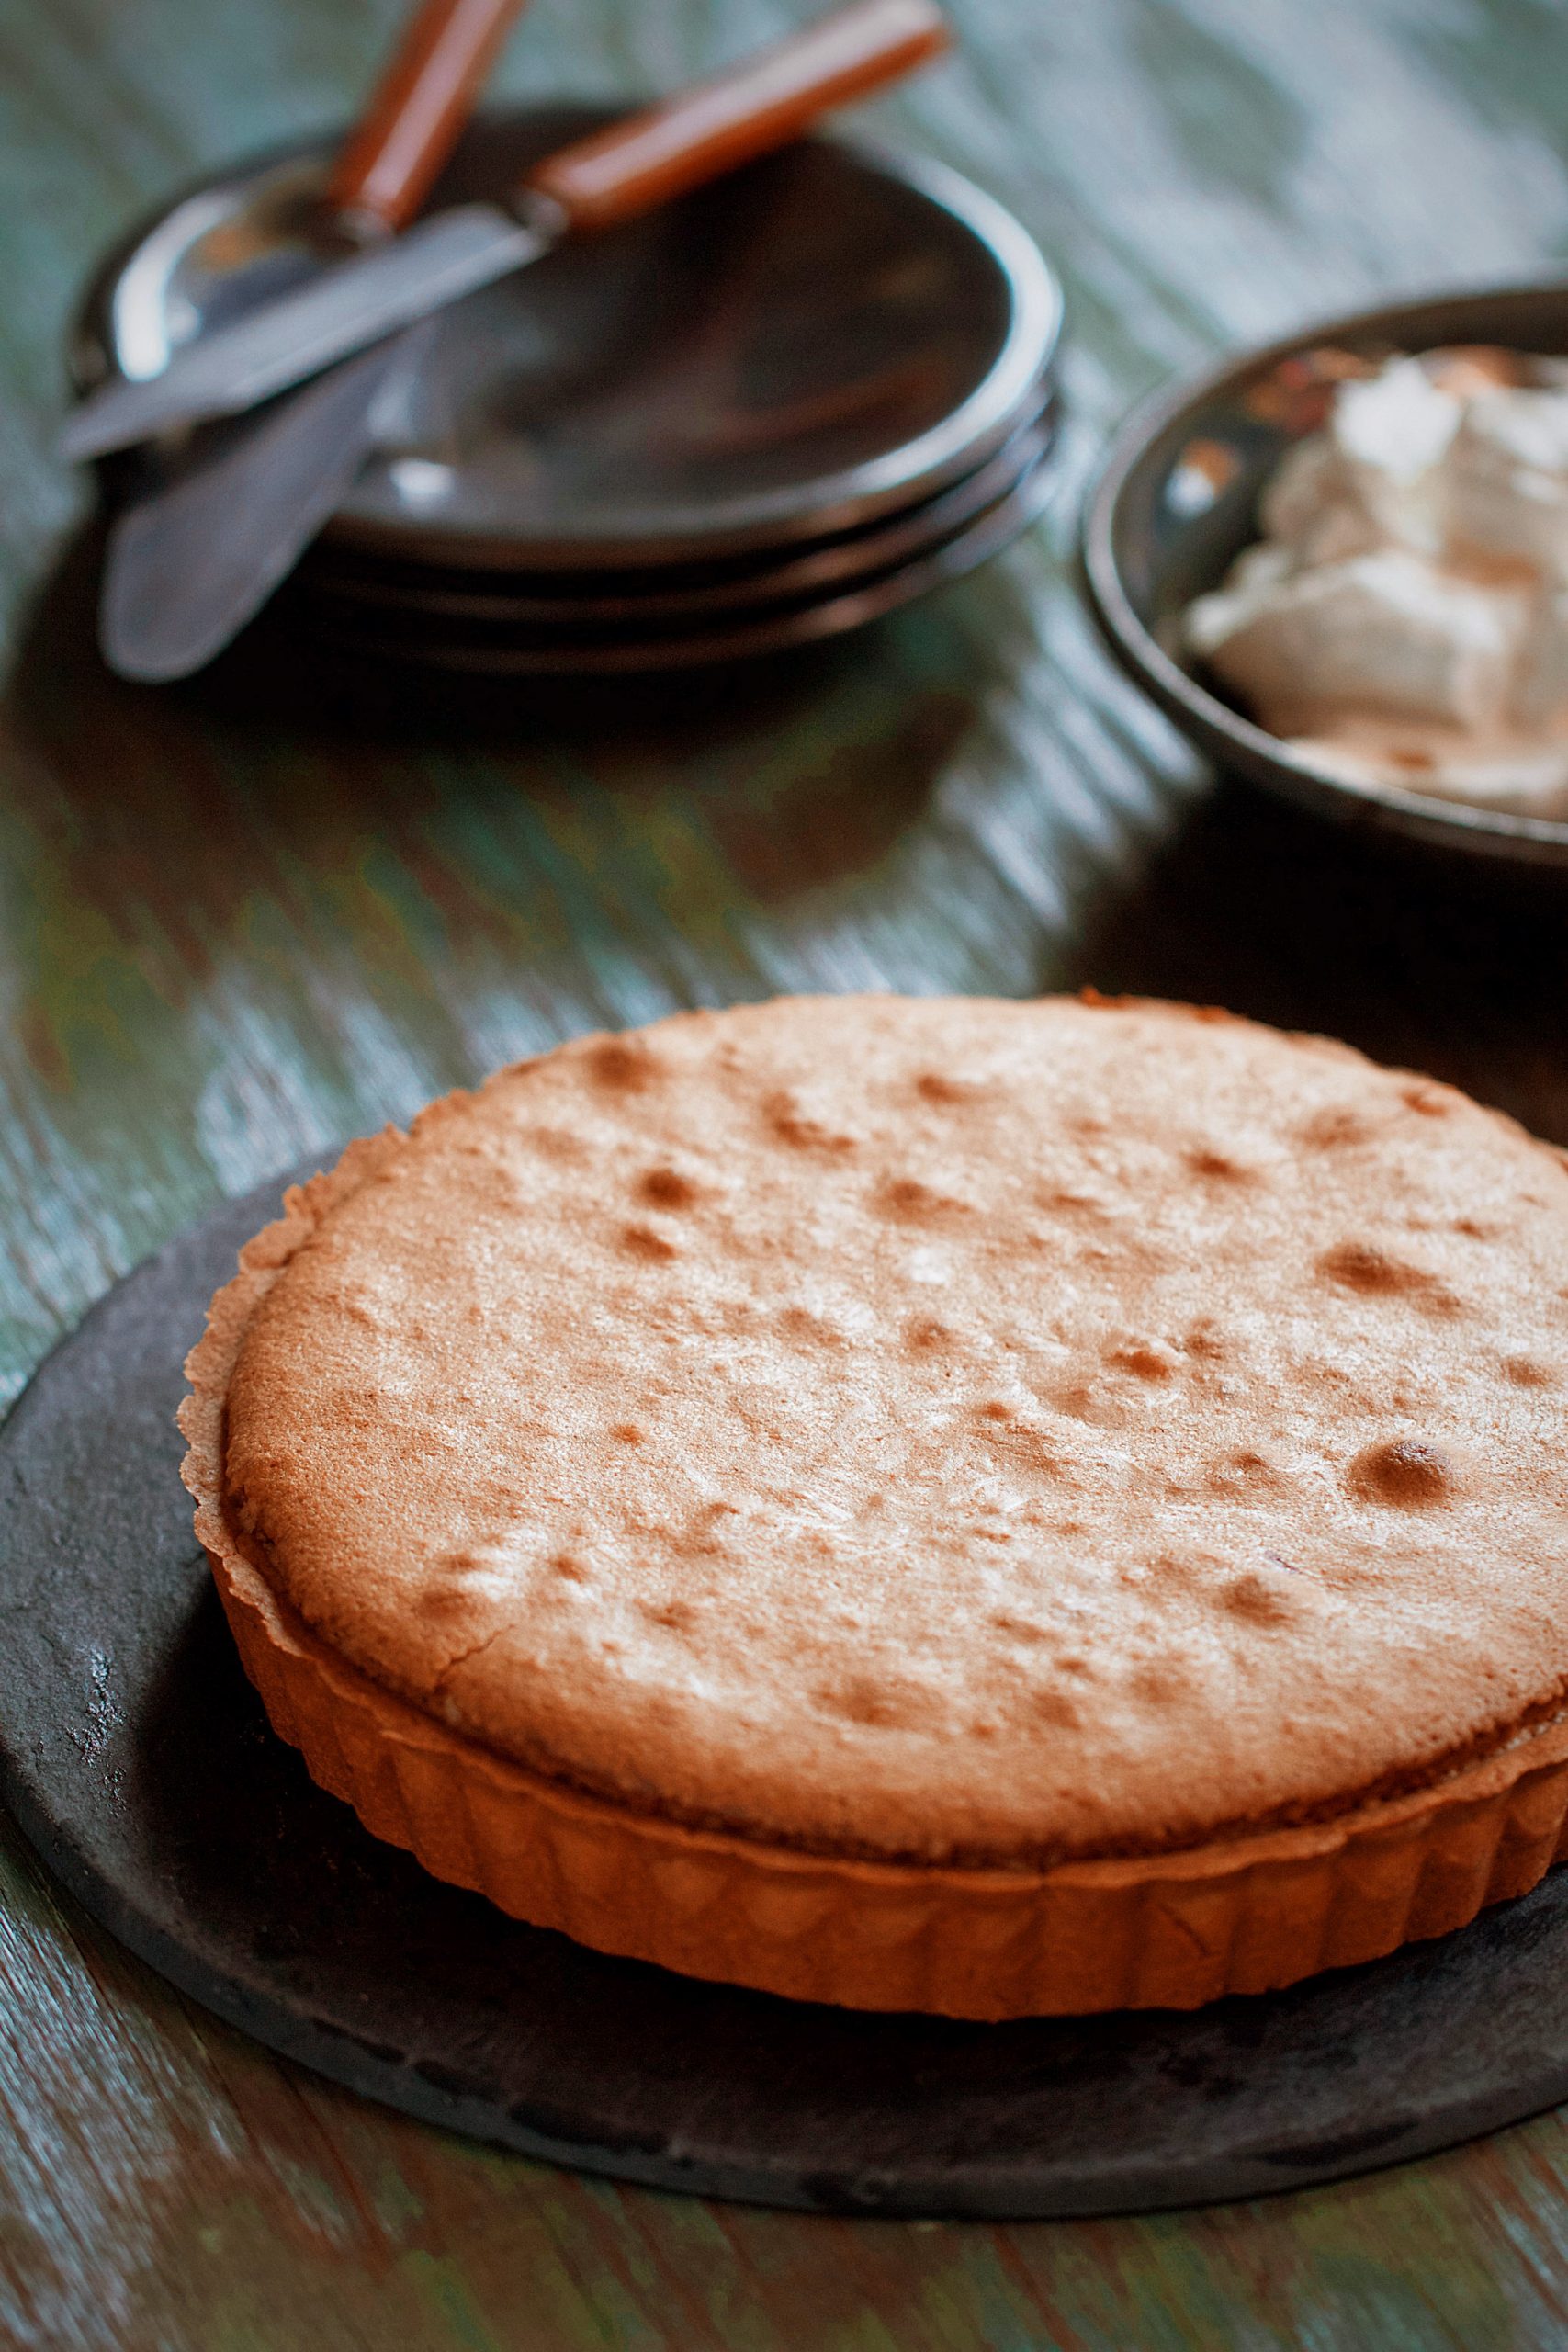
210	530
384	167
750	108
193	559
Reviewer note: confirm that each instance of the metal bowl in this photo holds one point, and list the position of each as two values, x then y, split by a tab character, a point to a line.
1177	501
820	339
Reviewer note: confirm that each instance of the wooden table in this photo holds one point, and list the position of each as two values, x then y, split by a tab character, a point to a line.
243	919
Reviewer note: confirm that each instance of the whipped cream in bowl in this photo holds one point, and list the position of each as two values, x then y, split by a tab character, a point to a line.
1404	617
1339	564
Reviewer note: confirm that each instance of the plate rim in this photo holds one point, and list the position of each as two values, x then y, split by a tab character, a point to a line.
838	567
856	607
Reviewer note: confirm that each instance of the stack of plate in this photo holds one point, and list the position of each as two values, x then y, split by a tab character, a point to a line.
779	409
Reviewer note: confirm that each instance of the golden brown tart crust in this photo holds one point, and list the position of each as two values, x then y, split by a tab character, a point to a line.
963	1459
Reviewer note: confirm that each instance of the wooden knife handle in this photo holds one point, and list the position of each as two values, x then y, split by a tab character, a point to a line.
420	104
760	103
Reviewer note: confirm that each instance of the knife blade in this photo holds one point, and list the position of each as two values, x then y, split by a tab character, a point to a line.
195	552
349	307
759	103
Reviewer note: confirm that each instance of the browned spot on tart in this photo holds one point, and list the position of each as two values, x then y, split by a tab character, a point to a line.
1406	1472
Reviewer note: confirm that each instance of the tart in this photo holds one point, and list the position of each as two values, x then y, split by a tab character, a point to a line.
992	1508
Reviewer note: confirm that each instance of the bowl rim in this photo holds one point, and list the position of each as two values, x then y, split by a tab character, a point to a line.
1239	742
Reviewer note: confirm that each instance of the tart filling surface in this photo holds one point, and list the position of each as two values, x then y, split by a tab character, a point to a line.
930	1432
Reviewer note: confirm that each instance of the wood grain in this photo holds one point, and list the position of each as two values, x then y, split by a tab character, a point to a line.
240	920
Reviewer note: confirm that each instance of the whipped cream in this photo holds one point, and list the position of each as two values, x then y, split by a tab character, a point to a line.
1404	618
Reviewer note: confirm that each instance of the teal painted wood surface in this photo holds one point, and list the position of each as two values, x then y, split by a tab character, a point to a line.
239	921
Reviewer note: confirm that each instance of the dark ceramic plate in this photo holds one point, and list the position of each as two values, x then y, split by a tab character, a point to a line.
708	592
1178	499
821	338
136	1756
505	648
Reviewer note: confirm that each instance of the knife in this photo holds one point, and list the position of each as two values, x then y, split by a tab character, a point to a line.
199	545
384	169
674	145
180	578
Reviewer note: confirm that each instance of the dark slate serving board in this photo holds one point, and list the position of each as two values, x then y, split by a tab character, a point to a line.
137	1758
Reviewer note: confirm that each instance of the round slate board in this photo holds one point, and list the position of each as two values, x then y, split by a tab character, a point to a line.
137	1758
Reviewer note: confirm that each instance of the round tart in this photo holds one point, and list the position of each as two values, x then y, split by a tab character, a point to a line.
984	1506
